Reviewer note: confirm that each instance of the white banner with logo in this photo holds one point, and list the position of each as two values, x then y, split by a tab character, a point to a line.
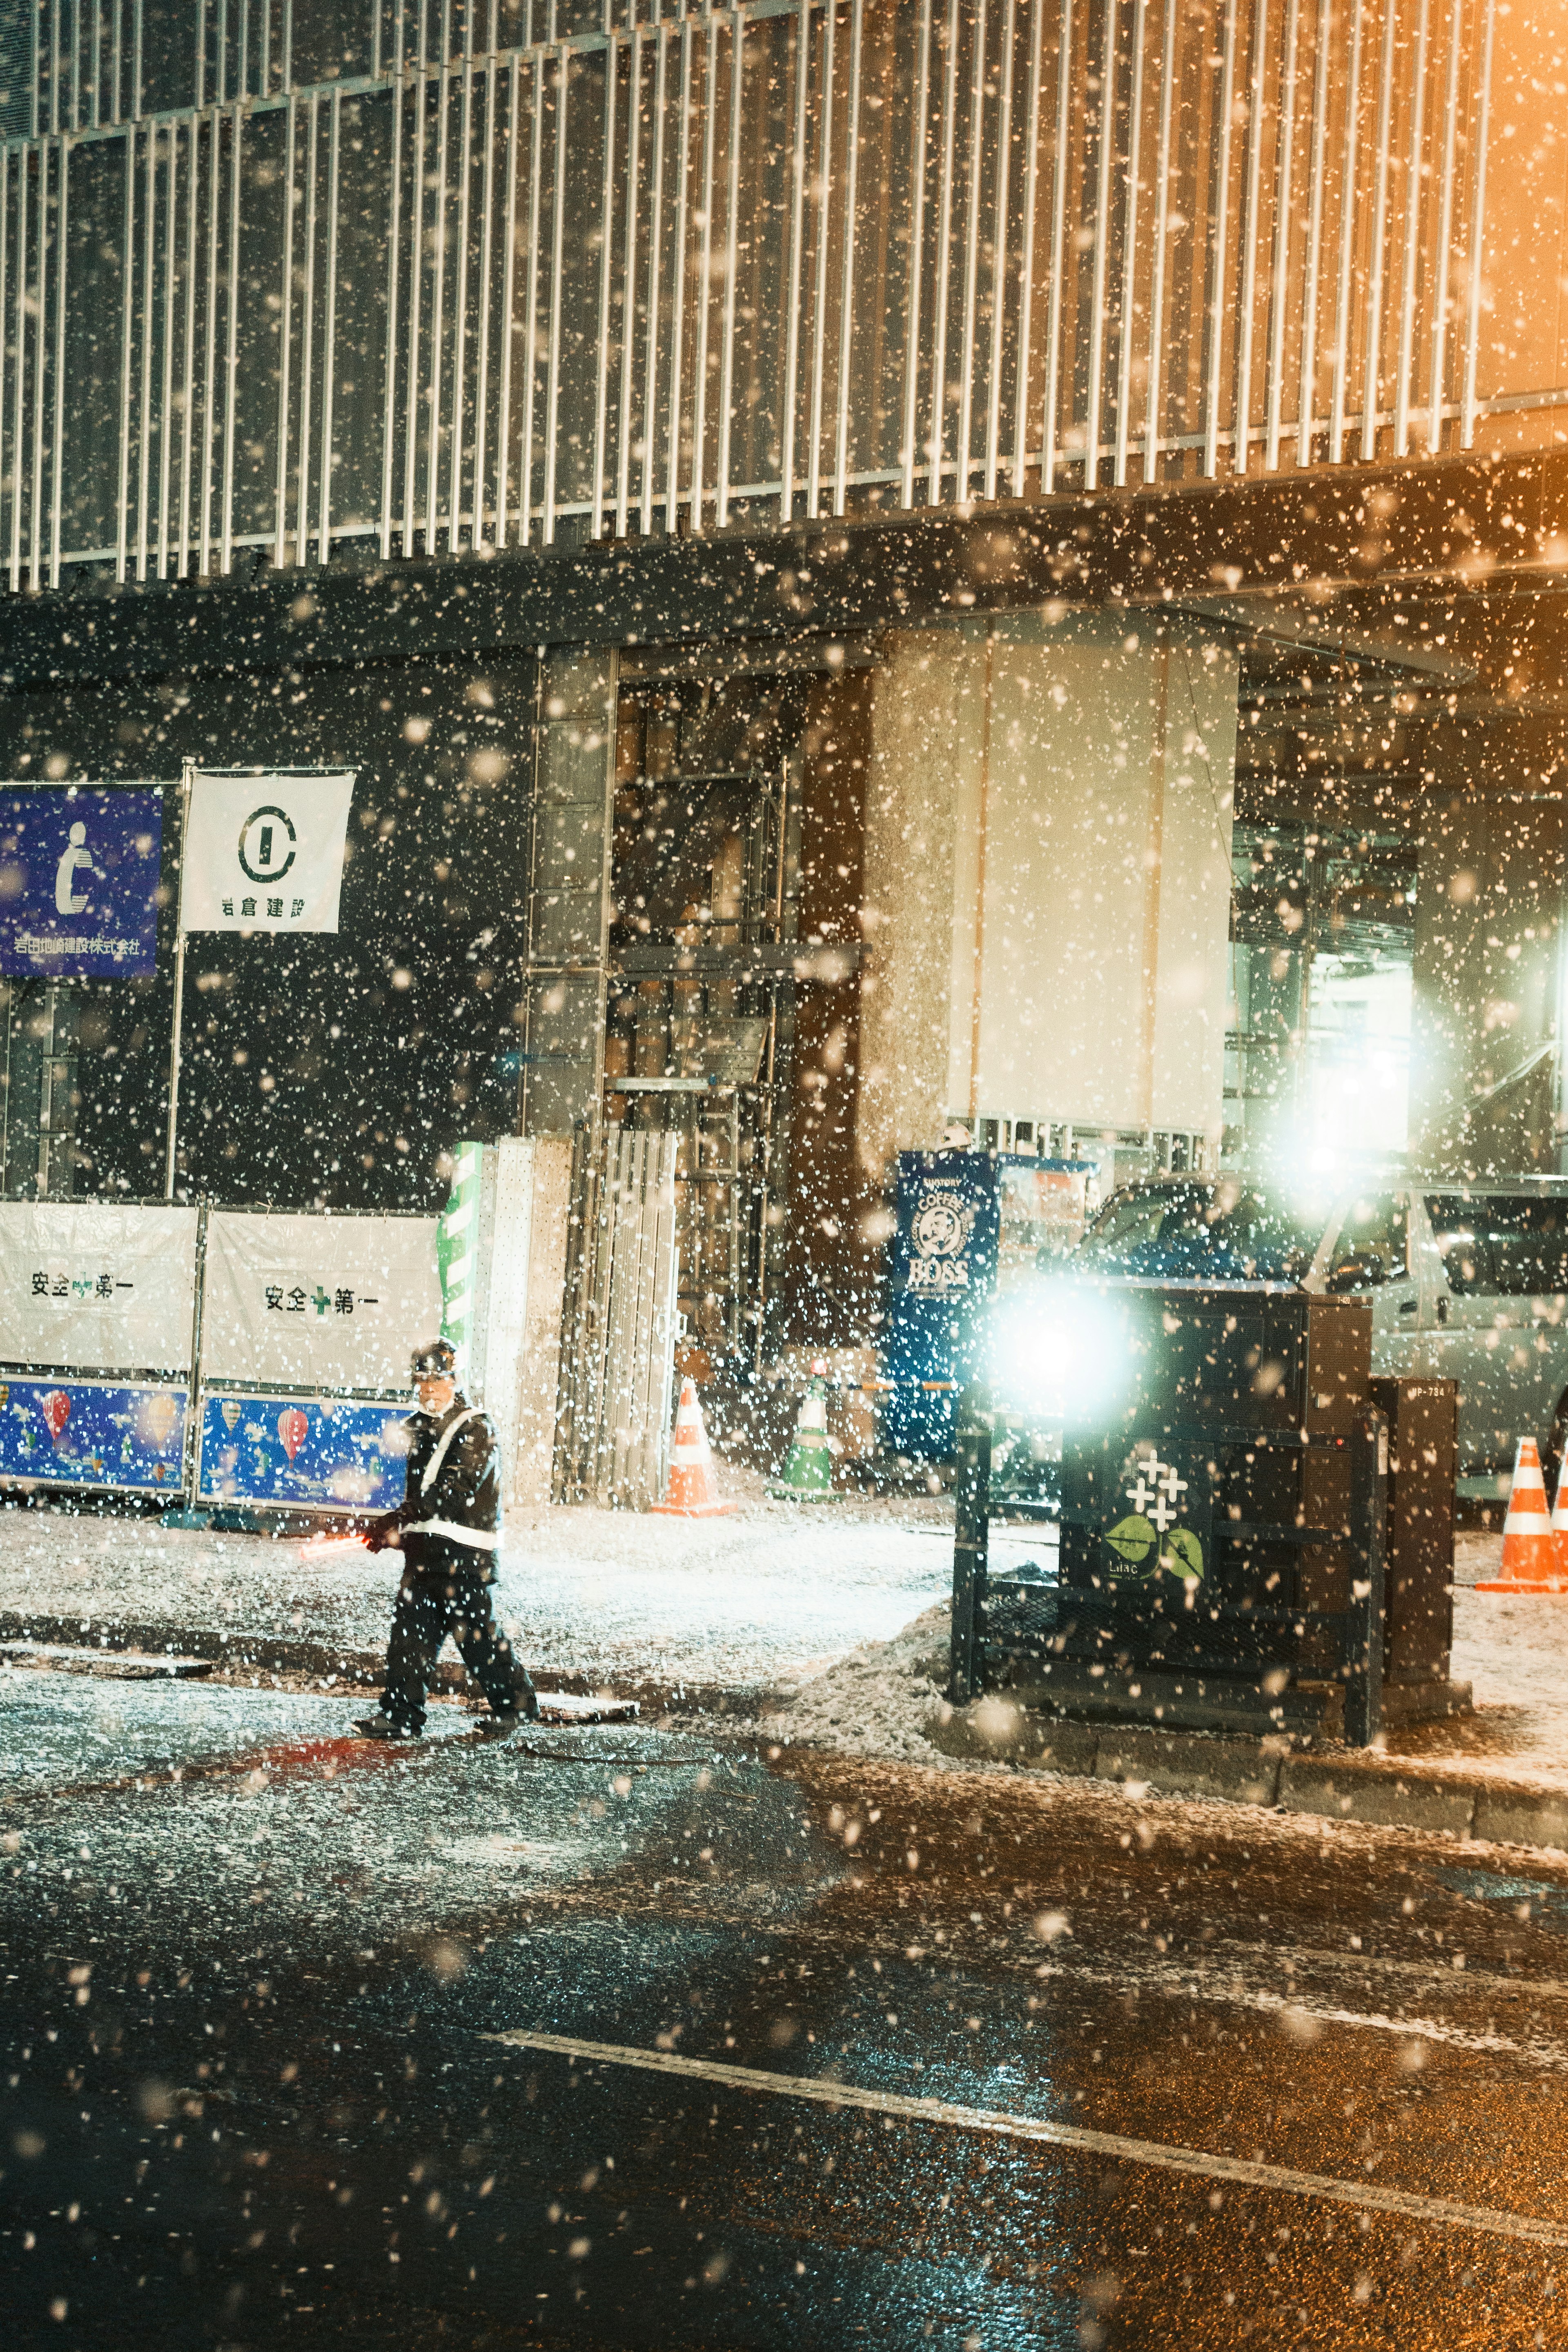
265	852
95	1286
317	1302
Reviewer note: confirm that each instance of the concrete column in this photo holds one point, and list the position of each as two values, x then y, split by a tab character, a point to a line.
1048	878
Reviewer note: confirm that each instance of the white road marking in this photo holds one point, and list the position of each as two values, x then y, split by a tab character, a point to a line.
1442	1975
1366	2195
1172	1981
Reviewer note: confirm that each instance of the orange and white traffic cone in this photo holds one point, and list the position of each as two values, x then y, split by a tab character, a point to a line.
690	1493
1560	1519
1532	1562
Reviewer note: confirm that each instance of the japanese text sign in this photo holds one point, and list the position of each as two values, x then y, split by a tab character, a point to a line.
265	852
318	1302
78	883
97	1285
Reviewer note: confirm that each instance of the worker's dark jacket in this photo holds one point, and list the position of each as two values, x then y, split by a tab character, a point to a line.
453	1494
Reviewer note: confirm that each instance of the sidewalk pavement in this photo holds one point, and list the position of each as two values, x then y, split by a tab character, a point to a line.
714	1614
806	1619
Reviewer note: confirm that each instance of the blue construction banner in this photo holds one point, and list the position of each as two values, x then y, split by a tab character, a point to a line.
77	1432
78	883
312	1453
949	1215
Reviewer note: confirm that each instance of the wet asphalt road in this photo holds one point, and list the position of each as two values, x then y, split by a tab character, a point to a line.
256	1978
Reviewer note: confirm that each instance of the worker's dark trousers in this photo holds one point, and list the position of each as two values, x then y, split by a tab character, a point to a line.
445	1589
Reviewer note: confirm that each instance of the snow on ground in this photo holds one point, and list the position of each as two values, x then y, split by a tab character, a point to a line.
836	1609
875	1701
748	1600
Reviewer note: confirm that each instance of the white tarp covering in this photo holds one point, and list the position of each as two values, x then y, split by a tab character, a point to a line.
95	1286
318	1302
265	852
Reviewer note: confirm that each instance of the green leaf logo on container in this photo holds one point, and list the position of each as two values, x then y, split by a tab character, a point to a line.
1150	1542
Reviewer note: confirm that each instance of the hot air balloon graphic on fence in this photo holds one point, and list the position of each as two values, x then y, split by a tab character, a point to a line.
157	1419
231	1411
292	1427
55	1408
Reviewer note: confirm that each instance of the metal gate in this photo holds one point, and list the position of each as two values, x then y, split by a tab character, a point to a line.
618	1357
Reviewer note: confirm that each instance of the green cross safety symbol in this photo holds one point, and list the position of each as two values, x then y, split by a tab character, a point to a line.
320	1300
1150	1541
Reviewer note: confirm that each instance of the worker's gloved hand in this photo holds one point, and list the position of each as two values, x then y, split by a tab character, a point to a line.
382	1533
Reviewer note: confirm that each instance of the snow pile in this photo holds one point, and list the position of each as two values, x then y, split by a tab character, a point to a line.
877	1700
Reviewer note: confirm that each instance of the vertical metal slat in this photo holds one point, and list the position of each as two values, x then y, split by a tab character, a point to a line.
1058	231
460	306
791	395
999	252
1279	274
509	294
421	87
1404	386
679	267
819	306
393	263
971	258
62	225
1379	233
1153	398
654	244
846	285
1027	267
280	539
557	248
1347	242
1444	237
606	257
1129	244
732	263
231	365
1249	237
1219	236
917	258
438	304
937	445
1477	234
330	330
629	282
1310	292
704	285
1105	145
308	336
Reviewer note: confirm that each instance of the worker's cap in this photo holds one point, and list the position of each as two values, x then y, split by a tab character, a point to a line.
435	1361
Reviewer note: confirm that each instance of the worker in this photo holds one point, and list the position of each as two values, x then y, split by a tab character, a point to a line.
448	1530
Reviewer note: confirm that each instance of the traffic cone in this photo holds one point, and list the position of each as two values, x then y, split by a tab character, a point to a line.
1560	1518
690	1493
1532	1562
807	1472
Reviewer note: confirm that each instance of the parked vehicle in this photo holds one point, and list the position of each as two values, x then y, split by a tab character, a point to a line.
1467	1282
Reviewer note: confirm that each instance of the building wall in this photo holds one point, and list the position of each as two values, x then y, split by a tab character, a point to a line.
336	287
1047	879
319	1070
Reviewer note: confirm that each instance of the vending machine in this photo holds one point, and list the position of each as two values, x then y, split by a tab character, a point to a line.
971	1225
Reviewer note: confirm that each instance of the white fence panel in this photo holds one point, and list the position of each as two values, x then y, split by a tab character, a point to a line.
97	1287
311	1302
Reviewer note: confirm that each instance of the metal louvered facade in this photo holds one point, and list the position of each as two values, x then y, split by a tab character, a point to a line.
418	275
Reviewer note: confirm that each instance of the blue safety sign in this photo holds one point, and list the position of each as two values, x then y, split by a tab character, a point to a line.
78	883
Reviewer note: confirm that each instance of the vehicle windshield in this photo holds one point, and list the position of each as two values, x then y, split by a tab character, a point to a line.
1200	1233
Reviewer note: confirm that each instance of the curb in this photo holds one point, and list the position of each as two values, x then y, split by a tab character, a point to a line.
246	1653
1384	1792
